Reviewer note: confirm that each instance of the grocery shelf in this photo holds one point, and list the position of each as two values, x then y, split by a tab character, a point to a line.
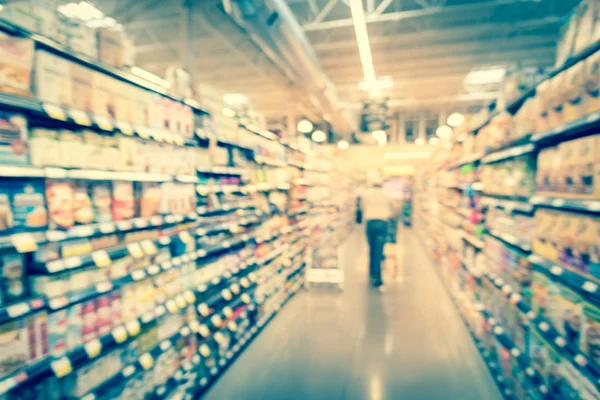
95	64
471	159
588	286
511	240
570	204
473	241
510	205
507	153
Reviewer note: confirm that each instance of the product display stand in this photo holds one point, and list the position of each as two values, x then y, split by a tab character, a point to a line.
510	214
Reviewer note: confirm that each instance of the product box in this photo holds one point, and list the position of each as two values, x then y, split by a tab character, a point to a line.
12	278
110	47
28	205
148	199
53	79
13	139
73	151
81	87
44	149
14	346
57	333
102	201
16	64
574	92
74	326
60	197
103	95
83	208
123	204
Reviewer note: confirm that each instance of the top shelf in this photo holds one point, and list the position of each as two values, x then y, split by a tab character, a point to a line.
97	65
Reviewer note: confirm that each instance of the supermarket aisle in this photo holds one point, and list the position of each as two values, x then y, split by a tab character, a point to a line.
407	343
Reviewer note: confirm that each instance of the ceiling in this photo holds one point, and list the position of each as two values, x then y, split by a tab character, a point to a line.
427	47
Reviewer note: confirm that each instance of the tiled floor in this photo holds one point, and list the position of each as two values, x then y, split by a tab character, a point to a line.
406	343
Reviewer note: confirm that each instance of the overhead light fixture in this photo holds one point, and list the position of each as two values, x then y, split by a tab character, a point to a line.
82	10
304	126
228	112
385	82
434	141
485	76
149	76
362	37
235	99
319	136
403	156
380	136
443	131
343	144
456	119
419	141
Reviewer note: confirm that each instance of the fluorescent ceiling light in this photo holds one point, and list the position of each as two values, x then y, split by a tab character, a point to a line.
403	156
362	37
319	136
385	82
1	7
456	119
82	10
235	99
484	76
443	131
434	141
343	145
228	112
142	73
419	141
304	126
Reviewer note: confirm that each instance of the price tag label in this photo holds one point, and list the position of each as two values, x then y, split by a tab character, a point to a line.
24	242
149	247
80	117
165	345
160	311
56	236
153	269
252	277
141	223
73	262
203	310
104	287
61	367
180	301
235	288
185	258
201	253
226	244
143	132
125	225
55	112
138	274
178	140
156	220
119	334
186	237
168	137
590	287
556	270
58	302
189	297
16	310
204	350
227	312
226	294
146	361
246	299
133	328
176	261
135	250
245	283
128	371
107	227
219	338
171	306
232	326
216	320
101	258
167	265
185	331
125	128
204	331
103	123
93	348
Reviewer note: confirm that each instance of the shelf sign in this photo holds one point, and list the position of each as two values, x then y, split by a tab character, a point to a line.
101	258
24	242
125	128
135	250
119	334
55	112
80	117
61	367
133	328
93	348
103	123
146	361
149	247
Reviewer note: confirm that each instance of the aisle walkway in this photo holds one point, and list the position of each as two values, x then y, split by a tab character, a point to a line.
407	343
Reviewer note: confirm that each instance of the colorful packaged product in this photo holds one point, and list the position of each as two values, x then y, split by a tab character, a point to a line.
148	199
28	205
16	63
82	208
14	346
13	138
88	315
57	333
74	326
102	202
12	278
123	204
60	197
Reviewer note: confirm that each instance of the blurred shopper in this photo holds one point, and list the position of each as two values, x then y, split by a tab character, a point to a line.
377	208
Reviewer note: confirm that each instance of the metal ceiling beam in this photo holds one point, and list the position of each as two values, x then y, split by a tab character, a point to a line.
404	15
443	55
325	11
383	6
445	35
426	102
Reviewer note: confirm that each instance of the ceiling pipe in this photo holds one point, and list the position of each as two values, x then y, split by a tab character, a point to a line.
284	42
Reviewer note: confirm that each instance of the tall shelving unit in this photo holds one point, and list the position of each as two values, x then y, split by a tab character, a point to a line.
510	213
141	261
